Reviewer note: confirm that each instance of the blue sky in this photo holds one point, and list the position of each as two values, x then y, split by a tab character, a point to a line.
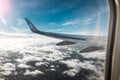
63	16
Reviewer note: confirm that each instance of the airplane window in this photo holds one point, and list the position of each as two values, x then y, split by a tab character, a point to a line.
53	39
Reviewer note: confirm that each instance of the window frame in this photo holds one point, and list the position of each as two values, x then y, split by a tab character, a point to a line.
112	71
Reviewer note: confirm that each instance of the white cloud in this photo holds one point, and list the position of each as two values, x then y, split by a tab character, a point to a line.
3	32
39	63
74	64
71	72
96	54
87	20
18	34
42	49
5	73
23	66
52	69
33	73
29	58
78	22
8	66
7	69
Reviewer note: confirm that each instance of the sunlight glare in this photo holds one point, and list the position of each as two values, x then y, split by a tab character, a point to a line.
4	7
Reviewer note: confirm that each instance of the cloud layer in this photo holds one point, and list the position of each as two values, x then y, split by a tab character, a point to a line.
37	56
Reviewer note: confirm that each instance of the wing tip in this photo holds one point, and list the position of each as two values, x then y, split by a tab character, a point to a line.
26	19
31	26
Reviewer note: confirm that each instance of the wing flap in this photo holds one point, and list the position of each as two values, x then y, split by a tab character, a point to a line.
92	48
65	43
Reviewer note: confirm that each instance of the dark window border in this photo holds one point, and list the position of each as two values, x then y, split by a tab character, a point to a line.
111	39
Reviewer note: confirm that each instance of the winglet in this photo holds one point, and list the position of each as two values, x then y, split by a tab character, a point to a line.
31	26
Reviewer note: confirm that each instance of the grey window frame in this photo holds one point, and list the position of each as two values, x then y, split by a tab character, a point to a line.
112	71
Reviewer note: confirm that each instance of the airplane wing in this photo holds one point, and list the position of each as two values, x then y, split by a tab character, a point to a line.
68	38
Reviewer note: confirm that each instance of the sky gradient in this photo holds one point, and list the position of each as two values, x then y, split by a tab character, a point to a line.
87	17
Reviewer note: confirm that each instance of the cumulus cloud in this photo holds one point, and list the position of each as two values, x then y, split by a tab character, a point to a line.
74	64
71	72
23	66
7	69
2	79
42	51
33	73
100	55
28	59
5	73
39	63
